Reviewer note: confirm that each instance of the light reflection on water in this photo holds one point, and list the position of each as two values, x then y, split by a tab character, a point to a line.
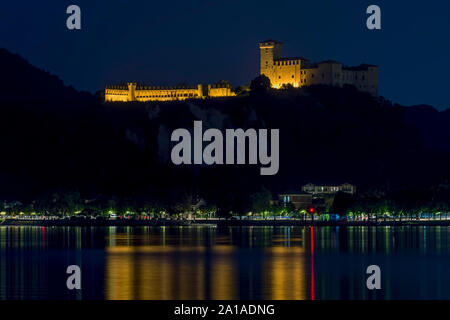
230	263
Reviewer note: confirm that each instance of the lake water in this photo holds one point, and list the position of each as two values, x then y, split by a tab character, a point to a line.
204	262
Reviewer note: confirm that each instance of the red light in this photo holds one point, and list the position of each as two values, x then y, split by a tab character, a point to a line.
311	210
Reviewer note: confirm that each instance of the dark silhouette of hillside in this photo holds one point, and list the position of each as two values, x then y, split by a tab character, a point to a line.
21	83
56	140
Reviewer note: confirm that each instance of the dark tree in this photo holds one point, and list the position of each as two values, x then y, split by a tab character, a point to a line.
342	203
260	85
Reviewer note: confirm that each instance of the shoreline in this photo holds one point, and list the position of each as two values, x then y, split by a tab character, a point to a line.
215	222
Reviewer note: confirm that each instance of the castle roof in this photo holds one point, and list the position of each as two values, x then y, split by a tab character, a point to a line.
174	87
290	58
362	67
359	68
271	40
330	61
117	86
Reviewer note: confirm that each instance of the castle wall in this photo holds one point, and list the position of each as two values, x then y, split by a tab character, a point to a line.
299	72
159	93
269	51
286	72
365	78
116	93
308	77
133	92
220	91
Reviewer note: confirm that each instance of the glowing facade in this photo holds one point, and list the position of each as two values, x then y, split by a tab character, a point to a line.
295	71
322	189
299	72
135	92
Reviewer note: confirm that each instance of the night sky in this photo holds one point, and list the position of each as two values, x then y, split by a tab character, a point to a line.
171	42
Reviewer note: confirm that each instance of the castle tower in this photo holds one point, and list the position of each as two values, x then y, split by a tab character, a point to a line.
131	91
200	90
269	51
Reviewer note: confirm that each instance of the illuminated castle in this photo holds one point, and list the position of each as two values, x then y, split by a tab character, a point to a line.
282	72
300	72
135	92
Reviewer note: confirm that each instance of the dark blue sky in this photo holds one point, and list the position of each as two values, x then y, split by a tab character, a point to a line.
168	42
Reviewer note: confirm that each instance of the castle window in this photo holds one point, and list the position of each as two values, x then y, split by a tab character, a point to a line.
279	77
292	76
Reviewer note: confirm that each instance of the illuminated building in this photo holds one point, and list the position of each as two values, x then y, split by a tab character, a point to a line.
298	199
300	72
323	190
134	92
282	71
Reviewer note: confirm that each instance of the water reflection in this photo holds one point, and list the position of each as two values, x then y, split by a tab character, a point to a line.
244	263
230	263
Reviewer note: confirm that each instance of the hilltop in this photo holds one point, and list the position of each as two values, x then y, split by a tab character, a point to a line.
55	139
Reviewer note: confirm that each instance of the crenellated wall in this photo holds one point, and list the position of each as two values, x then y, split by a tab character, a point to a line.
135	92
295	71
216	91
299	72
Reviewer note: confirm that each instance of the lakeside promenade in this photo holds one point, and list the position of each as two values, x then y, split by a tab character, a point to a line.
217	222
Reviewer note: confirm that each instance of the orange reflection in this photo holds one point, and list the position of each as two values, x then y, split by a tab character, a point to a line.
169	272
285	274
171	267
